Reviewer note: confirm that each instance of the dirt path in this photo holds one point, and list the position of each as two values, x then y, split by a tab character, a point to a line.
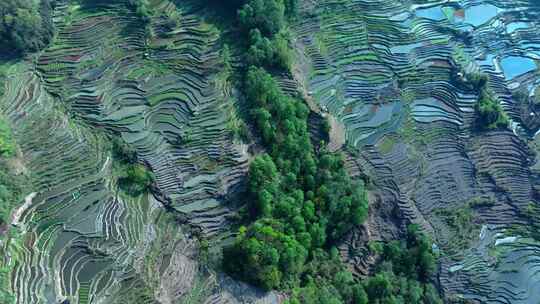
337	129
19	211
337	134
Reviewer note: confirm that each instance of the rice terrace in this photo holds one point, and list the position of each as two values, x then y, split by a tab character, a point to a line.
269	151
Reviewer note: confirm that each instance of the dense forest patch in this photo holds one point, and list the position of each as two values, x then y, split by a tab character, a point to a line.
25	25
302	201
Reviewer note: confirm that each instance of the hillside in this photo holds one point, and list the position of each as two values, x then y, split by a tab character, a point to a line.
269	151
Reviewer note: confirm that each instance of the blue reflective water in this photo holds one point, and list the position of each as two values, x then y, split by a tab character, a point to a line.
480	14
433	13
513	66
513	26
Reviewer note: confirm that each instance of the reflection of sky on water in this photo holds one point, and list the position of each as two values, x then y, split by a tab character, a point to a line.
513	66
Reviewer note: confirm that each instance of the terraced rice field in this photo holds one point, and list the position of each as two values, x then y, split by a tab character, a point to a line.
385	69
388	72
163	102
81	239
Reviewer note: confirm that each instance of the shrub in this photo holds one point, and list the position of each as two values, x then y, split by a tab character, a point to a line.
266	15
283	56
265	255
122	152
141	8
489	113
403	277
267	52
477	80
135	179
532	215
23	28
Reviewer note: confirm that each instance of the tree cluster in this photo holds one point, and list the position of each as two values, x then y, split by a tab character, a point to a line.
266	15
267	52
327	281
489	113
267	255
301	200
308	195
133	177
403	276
315	181
263	21
25	25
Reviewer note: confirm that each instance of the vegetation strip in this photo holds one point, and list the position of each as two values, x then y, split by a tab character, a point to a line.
303	201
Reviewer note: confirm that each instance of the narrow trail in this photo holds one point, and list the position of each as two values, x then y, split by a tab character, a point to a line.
19	211
336	134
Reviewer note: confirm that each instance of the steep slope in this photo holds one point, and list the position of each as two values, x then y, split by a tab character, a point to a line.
396	80
390	71
80	238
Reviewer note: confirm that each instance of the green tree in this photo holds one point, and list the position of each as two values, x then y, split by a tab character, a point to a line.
265	255
282	53
291	8
135	178
266	15
263	184
25	25
267	52
379	286
359	295
489	113
261	51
